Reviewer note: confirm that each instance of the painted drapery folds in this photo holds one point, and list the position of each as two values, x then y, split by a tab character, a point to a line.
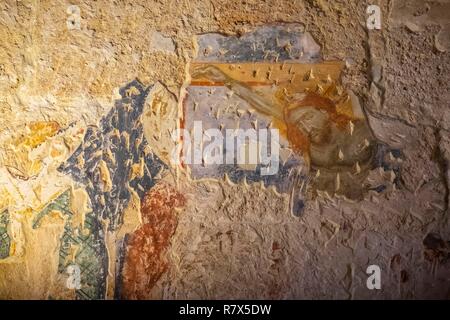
112	166
115	159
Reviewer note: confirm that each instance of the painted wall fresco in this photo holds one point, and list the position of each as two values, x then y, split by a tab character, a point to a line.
112	167
271	77
275	77
93	204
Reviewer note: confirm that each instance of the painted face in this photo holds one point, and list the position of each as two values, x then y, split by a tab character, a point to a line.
314	123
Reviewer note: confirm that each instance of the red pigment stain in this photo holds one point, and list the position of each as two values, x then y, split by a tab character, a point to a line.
145	260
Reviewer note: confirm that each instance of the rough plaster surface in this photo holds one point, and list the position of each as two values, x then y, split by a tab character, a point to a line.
229	240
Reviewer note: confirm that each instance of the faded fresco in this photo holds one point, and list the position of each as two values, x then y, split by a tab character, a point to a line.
276	77
231	151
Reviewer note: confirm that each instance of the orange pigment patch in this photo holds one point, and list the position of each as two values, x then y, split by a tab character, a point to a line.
145	260
39	132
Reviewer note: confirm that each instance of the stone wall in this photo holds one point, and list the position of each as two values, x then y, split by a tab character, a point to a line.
93	207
